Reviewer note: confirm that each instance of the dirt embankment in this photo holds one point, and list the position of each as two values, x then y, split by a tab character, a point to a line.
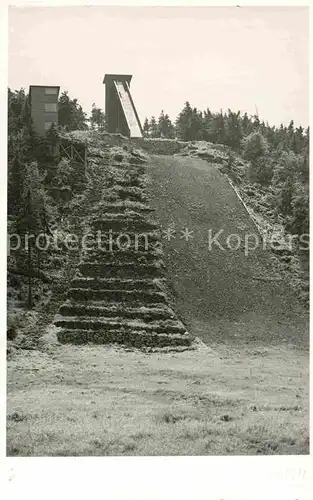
221	293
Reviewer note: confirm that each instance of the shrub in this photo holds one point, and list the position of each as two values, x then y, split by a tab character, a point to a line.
285	197
299	222
255	146
14	320
288	167
260	171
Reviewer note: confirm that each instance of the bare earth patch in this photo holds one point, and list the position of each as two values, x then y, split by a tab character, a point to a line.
104	400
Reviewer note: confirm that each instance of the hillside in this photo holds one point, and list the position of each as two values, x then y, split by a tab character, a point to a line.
242	390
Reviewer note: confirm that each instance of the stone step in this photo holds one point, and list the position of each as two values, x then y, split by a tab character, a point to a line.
114	208
117	310
126	193
116	284
102	323
135	338
115	197
113	167
94	235
120	256
131	169
121	270
111	240
133	181
125	247
117	293
121	225
102	248
129	192
133	296
124	216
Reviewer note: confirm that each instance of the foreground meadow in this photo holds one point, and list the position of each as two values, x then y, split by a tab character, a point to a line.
95	401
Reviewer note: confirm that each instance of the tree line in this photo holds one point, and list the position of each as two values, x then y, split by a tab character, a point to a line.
36	178
229	128
278	157
71	115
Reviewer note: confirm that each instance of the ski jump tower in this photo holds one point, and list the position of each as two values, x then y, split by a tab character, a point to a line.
120	109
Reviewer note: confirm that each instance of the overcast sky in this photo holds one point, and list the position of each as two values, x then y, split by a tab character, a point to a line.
243	58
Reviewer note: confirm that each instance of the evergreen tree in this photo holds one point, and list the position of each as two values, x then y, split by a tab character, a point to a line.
33	216
216	131
288	167
154	131
246	125
71	114
18	111
290	130
305	165
165	126
189	124
197	125
255	146
296	140
233	130
255	123
285	197
20	151
146	127
183	123
16	172
306	138
261	171
98	118
299	222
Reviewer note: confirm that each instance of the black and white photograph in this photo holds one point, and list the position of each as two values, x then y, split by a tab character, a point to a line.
157	231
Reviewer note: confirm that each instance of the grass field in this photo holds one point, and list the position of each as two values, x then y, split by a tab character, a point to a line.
91	400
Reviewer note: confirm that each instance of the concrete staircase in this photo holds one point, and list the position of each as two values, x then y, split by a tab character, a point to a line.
118	294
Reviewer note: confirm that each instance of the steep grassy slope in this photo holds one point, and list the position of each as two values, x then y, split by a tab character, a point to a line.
221	294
